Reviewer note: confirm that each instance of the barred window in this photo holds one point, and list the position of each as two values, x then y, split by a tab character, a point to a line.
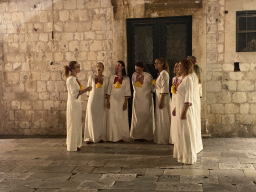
246	31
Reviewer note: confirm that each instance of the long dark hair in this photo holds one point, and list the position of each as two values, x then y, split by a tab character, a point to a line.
198	73
69	67
123	70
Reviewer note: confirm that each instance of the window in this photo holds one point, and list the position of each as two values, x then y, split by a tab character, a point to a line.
246	31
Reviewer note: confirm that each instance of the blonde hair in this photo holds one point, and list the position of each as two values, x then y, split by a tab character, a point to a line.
188	66
165	64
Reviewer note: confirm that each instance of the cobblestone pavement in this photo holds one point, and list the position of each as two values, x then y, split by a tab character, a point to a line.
44	165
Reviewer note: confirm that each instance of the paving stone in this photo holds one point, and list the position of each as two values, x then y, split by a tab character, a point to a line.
117	177
236	166
154	171
247	160
192	172
50	176
219	188
122	163
199	179
169	178
238	173
235	180
178	187
127	170
246	188
221	159
85	177
97	163
135	185
250	173
38	183
69	163
96	185
146	178
234	154
107	170
83	169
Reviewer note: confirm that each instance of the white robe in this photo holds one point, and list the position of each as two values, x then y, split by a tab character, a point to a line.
162	116
142	109
173	131
185	145
73	115
197	107
95	119
118	125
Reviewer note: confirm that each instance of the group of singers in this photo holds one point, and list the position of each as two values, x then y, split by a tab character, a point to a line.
173	121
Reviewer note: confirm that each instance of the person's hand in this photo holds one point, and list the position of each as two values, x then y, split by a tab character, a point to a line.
161	105
108	105
174	112
124	106
183	115
88	88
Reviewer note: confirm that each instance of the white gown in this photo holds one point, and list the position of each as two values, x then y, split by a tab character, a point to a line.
73	115
185	145
173	131
95	119
142	109
197	107
162	116
118	125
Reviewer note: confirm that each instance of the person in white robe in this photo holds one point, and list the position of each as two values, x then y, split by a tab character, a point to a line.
175	82
163	103
142	107
74	110
185	145
197	93
117	103
95	119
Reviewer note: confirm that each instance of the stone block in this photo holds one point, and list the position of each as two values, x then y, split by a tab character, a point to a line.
236	75
58	56
84	26
70	4
210	47
33	96
8	67
26	105
79	15
55	76
92	56
252	108
11	57
48	27
44	96
82	56
14	77
57	4
73	46
37	105
31	37
99	25
229	85
18	87
217	76
51	86
245	67
246	118
96	45
78	36
212	97
70	27
232	108
60	86
13	47
217	108
67	36
245	85
228	119
70	56
89	35
41	86
251	97
239	97
220	48
43	15
84	46
92	4
15	105
48	105
244	108
213	86
63	96
23	124
250	75
224	97
63	46
54	96
43	37
7	18
106	3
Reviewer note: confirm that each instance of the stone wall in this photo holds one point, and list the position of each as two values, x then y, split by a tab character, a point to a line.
39	37
231	97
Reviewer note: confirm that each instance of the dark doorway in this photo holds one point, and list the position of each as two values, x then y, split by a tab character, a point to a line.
148	39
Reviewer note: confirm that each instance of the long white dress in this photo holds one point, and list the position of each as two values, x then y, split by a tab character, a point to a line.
197	107
95	119
73	115
185	145
142	108
162	116
173	131
118	125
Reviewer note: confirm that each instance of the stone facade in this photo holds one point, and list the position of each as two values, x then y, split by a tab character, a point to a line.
39	37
